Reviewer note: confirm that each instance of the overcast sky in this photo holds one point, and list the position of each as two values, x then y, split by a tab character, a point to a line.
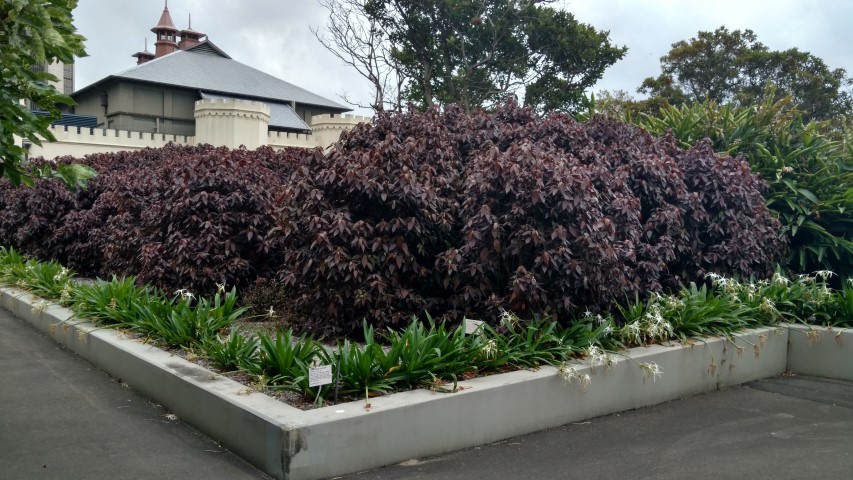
274	35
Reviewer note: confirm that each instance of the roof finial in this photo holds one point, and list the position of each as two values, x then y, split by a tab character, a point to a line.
190	20
146	44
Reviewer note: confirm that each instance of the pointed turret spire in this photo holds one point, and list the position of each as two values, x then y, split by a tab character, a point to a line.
143	56
167	34
189	37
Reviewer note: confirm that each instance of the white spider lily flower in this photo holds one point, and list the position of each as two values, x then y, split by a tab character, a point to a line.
651	369
186	294
569	373
778	279
824	274
597	356
63	273
489	349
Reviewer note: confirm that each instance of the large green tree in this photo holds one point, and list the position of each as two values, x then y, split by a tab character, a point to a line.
34	32
734	67
474	52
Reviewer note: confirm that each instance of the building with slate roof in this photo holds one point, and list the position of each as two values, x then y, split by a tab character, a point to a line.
159	94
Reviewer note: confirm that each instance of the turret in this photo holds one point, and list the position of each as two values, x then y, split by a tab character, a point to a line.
167	34
143	56
189	37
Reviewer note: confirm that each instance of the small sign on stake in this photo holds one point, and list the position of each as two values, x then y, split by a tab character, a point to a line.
318	376
472	326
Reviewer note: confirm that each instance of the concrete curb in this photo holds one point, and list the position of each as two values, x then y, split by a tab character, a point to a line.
821	351
289	443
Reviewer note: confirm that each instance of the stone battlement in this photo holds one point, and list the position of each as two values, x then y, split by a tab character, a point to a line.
226	122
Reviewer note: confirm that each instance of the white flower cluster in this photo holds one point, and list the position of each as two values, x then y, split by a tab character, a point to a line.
39	307
597	356
489	349
186	294
728	285
65	294
651	369
652	327
600	322
570	373
767	306
508	319
61	275
779	279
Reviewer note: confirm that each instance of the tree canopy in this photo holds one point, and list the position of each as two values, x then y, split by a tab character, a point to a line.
734	67
469	52
34	32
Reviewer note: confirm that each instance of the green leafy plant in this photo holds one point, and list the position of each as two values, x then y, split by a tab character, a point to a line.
46	279
233	353
119	301
426	350
187	322
283	361
808	166
359	371
34	33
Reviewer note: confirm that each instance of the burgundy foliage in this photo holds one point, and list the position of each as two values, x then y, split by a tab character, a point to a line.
440	212
363	225
465	215
178	217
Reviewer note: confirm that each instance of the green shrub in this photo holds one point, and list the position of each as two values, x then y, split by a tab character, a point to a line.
810	174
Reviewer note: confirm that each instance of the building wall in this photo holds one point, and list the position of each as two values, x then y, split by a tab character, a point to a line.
79	142
140	108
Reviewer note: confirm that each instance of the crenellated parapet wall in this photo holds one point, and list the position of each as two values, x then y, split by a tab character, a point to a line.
79	142
327	129
219	122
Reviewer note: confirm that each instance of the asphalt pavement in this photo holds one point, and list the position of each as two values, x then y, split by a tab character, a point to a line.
62	418
779	428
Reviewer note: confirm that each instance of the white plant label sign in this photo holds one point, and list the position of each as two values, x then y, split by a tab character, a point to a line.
471	326
321	375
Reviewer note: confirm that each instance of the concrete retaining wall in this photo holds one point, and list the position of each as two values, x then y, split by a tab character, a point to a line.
821	351
292	444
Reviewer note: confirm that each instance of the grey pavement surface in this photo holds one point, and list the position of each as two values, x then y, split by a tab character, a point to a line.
779	428
62	418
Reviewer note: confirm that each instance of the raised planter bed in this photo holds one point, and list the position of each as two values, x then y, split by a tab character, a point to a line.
289	443
821	351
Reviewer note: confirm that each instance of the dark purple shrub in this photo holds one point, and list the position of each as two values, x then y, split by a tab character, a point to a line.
29	216
179	217
459	214
195	219
364	224
583	215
